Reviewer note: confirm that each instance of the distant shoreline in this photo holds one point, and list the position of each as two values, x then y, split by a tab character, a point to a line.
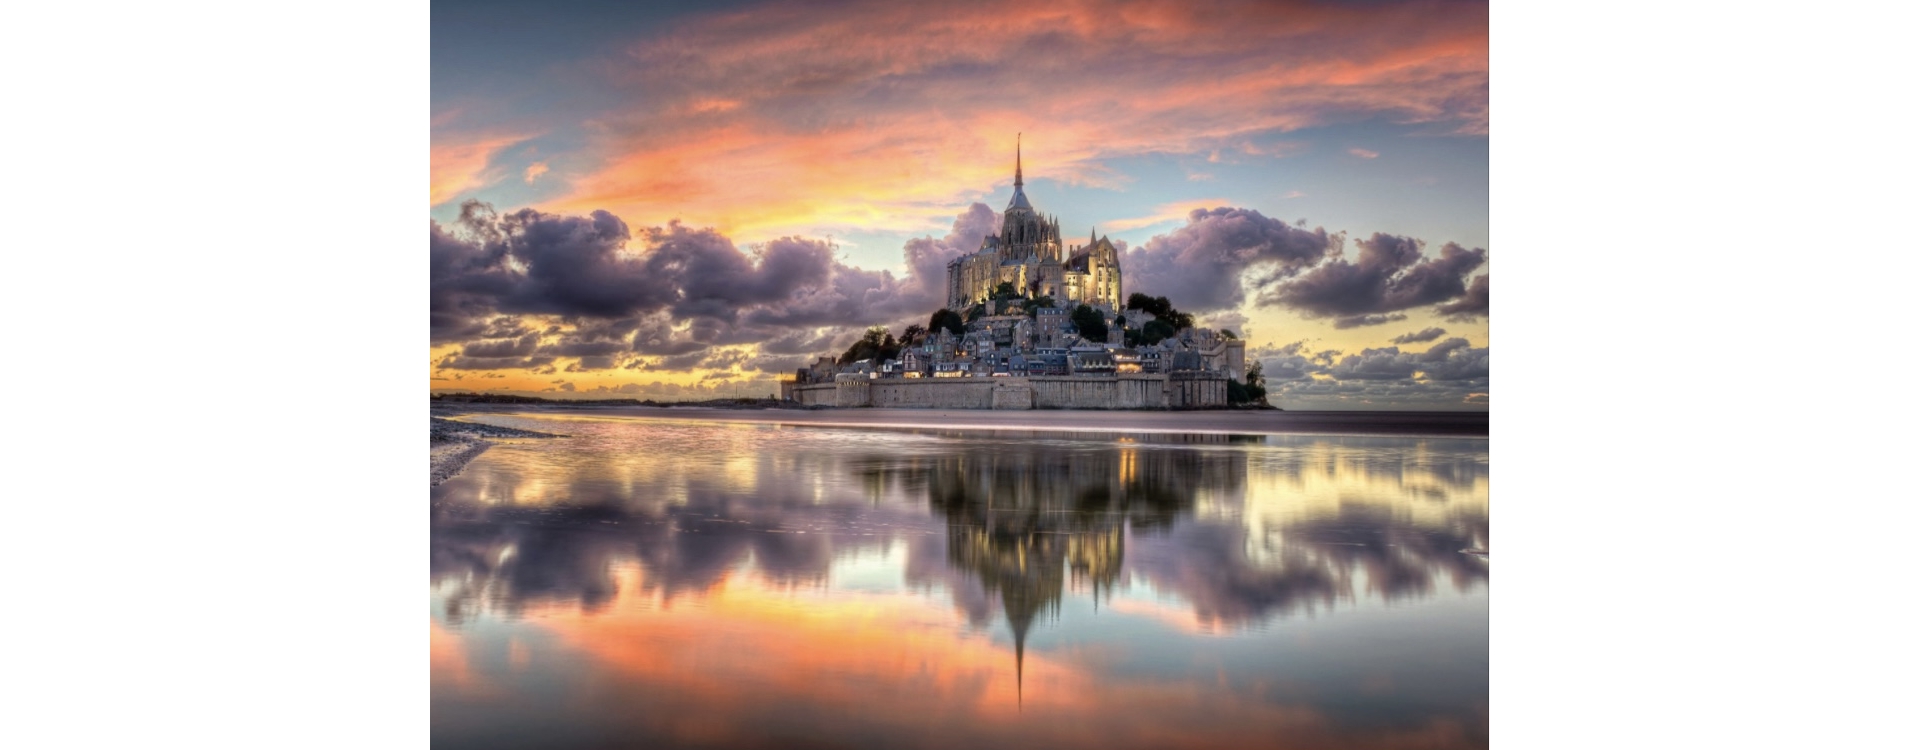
1450	424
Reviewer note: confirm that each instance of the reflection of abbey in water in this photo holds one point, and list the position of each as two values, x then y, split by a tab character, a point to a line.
1029	523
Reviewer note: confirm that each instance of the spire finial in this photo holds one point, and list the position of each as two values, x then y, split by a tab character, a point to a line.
1016	160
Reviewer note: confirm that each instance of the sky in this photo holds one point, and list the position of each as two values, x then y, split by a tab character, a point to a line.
677	201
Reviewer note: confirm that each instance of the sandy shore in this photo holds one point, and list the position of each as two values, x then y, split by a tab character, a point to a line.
453	444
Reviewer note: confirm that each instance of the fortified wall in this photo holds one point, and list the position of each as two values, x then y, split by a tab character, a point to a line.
1175	390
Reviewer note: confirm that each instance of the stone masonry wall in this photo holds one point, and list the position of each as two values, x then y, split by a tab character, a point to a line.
1128	391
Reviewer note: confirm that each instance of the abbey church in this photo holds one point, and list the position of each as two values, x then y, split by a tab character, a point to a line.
1027	253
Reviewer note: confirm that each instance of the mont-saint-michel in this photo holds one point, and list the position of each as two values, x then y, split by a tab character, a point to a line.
1033	322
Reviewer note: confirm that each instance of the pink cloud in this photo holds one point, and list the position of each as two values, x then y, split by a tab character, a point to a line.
886	116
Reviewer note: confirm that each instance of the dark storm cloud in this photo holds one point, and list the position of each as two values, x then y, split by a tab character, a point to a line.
669	291
462	362
1288	362
1453	359
1361	321
1469	307
1199	266
1375	393
1452	373
724	360
1420	337
680	362
591	363
1374	364
1388	275
495	348
773	364
798	342
717	281
573	347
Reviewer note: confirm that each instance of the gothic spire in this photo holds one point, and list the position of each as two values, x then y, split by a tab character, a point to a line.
1017	182
1019	195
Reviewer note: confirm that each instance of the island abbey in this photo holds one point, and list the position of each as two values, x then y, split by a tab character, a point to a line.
1027	253
1031	323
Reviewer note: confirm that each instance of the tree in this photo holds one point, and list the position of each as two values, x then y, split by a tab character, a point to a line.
1227	333
1254	390
913	334
1156	331
949	320
1160	308
1092	326
1033	306
1138	301
872	345
1005	291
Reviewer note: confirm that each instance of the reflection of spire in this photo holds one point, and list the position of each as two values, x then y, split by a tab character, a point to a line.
1019	668
1025	524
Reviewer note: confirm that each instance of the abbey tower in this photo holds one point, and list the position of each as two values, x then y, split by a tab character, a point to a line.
1027	253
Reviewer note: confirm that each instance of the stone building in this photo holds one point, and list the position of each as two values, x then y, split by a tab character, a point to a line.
1028	254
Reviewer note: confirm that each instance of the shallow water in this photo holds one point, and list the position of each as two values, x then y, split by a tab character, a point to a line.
681	582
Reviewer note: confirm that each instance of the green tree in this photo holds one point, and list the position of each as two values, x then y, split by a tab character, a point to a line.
1005	291
949	320
1160	308
871	345
1092	326
1155	306
1227	334
1156	331
913	334
1253	391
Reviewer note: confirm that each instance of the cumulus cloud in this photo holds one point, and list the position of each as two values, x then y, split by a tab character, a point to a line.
1290	362
1471	306
1362	321
1451	374
1229	321
1199	266
671	292
1389	274
1420	337
1453	359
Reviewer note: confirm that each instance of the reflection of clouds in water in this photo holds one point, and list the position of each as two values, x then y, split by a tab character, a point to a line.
684	605
1241	528
1315	563
514	559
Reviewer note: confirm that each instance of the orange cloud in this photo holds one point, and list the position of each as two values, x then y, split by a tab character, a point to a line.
461	165
887	116
896	664
1167	212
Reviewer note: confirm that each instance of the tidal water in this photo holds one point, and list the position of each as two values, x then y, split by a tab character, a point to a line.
738	582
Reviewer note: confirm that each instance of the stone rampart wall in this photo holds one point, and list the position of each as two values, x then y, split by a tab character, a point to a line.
1178	390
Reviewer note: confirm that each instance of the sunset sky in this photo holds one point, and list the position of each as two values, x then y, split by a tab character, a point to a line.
674	201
